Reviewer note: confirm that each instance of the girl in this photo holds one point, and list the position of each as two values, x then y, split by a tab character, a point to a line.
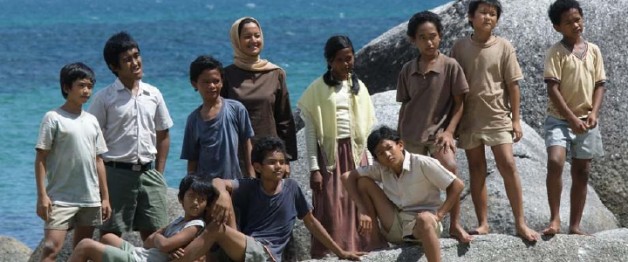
338	115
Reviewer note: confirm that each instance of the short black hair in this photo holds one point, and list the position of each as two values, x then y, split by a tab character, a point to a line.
72	72
473	6
265	145
201	186
559	7
379	134
202	63
422	17
116	45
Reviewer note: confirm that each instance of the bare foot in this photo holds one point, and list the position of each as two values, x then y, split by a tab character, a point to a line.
481	230
577	231
552	229
460	234
528	234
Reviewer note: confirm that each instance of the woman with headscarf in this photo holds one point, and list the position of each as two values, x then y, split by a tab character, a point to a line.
260	85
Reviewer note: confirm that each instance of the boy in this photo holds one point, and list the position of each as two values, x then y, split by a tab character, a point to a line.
575	77
68	156
268	205
194	194
215	130
431	89
135	122
408	205
491	111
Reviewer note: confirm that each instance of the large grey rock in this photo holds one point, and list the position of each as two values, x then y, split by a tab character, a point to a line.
174	211
526	25
12	250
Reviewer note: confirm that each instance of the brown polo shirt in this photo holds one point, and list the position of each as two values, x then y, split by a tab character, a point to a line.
427	99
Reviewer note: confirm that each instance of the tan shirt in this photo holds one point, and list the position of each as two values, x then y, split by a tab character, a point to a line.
489	67
419	185
427	99
576	76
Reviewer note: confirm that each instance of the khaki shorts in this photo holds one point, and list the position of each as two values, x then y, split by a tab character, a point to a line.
426	149
254	252
64	218
472	140
138	200
123	253
402	226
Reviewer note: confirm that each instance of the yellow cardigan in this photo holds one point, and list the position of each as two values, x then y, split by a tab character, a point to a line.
318	102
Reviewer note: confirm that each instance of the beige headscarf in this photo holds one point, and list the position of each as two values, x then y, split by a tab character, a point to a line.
241	59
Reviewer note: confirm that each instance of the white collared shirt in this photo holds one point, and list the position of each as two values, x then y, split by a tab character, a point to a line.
129	123
419	185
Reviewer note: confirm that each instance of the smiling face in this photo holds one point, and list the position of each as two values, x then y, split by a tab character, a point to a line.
130	66
193	204
209	84
484	19
80	91
571	24
273	167
251	40
342	63
427	39
390	153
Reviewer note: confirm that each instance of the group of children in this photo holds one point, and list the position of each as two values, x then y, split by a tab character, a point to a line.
238	200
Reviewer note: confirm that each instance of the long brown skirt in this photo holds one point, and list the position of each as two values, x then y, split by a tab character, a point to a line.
335	210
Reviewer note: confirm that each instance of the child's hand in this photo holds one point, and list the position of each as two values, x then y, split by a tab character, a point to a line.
316	181
105	209
592	120
578	126
44	207
353	255
517	131
221	210
445	140
365	224
178	253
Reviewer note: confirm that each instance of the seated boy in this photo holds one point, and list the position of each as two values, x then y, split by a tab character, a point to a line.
408	205
217	129
194	194
268	206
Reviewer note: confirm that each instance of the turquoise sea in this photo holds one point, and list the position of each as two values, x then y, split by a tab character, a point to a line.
38	37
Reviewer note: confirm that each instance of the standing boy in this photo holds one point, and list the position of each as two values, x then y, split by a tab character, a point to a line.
574	73
431	89
215	130
407	206
135	122
269	205
68	156
491	111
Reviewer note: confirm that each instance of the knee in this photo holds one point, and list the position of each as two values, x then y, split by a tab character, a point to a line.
365	184
51	248
424	222
107	238
555	163
507	166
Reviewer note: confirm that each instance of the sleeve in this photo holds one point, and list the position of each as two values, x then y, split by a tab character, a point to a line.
190	149
244	122
162	119
436	173
303	207
101	145
600	73
98	110
552	66
458	80
402	87
512	70
284	120
373	171
47	132
195	222
311	143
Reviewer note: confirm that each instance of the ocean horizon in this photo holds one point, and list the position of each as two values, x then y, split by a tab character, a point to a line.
39	37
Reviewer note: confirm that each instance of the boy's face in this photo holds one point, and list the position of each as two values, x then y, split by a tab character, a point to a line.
251	40
427	39
209	84
273	167
342	64
389	153
571	24
485	18
193	204
130	65
80	91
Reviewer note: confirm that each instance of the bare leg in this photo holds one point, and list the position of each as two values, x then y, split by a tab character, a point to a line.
82	232
377	203
425	230
111	240
53	242
88	249
230	240
479	195
580	170
508	170
448	160
554	183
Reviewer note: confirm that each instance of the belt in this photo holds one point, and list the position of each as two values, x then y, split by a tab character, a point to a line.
129	166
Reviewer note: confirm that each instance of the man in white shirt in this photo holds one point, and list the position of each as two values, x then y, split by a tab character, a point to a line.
135	122
408	205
